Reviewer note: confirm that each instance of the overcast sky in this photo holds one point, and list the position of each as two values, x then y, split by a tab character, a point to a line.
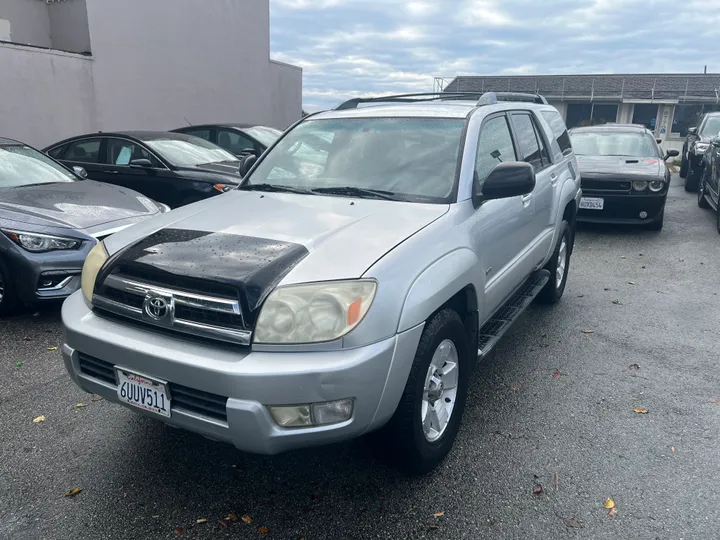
363	47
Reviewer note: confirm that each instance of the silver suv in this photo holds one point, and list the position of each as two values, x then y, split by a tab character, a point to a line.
347	287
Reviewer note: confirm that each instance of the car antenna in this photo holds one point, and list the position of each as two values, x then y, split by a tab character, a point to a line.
188	121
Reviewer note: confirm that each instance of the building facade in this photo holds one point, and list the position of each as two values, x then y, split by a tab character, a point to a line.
75	66
666	104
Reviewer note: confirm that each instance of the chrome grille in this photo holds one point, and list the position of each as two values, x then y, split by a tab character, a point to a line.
198	314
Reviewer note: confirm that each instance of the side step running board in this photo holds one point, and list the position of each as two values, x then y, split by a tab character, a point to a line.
502	320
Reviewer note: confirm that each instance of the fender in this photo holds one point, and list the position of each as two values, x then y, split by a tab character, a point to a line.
568	192
439	282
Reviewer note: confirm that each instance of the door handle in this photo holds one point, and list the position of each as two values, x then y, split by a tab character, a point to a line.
110	172
553	179
525	199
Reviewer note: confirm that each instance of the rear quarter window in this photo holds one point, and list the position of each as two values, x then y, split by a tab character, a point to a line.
561	145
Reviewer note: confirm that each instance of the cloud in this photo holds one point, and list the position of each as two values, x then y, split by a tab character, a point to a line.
351	48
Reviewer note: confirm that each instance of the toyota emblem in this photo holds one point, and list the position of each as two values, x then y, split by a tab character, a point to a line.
156	307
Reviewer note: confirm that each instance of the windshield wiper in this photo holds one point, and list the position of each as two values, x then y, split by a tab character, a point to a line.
358	192
275	188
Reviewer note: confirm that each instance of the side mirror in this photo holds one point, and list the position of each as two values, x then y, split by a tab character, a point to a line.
716	142
246	164
142	163
692	130
509	179
80	171
671	153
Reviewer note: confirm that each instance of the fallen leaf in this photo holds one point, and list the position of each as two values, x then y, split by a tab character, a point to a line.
581	295
18	364
606	289
642	267
52	348
232	517
556	374
714	400
672	449
263	530
640	410
200	521
537	490
224	524
38	419
247	520
96	398
609	503
640	254
515	388
573	523
433	526
617	302
557	481
631	283
543	334
36	314
81	405
588	331
622	256
681	260
156	516
439	514
178	532
635	366
612	513
72	492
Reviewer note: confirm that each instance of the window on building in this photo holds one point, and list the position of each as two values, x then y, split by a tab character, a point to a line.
591	114
645	114
494	146
559	130
687	116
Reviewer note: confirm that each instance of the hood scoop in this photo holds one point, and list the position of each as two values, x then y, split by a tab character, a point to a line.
632	161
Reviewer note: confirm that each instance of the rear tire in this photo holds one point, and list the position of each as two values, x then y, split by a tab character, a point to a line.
8	296
408	439
558	266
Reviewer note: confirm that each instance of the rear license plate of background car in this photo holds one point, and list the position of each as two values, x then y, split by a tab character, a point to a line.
143	392
592	203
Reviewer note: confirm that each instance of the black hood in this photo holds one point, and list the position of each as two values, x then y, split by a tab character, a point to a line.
627	167
74	205
226	173
213	263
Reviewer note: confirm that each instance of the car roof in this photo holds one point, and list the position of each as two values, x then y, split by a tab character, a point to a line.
149	135
624	128
5	140
236	125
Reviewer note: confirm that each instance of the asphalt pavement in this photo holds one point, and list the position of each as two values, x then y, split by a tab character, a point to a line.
553	407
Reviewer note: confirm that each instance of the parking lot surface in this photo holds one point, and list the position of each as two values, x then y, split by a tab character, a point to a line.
550	433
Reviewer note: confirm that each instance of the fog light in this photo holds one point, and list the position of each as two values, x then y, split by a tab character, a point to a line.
643	215
332	412
297	416
640	185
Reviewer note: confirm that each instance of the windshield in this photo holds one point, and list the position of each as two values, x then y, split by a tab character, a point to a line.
608	143
711	127
415	159
21	165
265	135
184	153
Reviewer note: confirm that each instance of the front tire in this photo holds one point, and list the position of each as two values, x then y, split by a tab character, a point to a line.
423	429
558	266
8	297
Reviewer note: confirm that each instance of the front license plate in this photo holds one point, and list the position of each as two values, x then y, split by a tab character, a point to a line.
143	392
592	203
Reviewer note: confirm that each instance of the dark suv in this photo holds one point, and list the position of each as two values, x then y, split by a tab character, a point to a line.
696	144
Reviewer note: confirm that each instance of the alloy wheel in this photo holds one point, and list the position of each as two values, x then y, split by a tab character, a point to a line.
561	263
440	390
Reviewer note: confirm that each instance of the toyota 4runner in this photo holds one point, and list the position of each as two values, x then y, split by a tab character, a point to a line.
349	284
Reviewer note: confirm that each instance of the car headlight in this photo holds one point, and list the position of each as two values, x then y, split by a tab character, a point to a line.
657	185
701	147
640	185
40	243
93	263
313	313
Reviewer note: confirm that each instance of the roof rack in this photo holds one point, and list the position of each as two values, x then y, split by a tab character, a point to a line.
483	98
491	98
410	98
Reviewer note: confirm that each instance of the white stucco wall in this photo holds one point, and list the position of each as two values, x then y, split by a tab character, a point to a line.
285	94
46	95
69	26
160	62
29	21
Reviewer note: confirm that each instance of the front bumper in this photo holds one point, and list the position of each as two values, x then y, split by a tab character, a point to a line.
624	209
373	375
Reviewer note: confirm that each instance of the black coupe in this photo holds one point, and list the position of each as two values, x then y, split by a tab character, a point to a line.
238	139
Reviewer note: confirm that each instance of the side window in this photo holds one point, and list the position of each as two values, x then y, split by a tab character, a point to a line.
234	142
202	133
122	152
495	146
560	132
541	141
58	151
530	149
85	151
